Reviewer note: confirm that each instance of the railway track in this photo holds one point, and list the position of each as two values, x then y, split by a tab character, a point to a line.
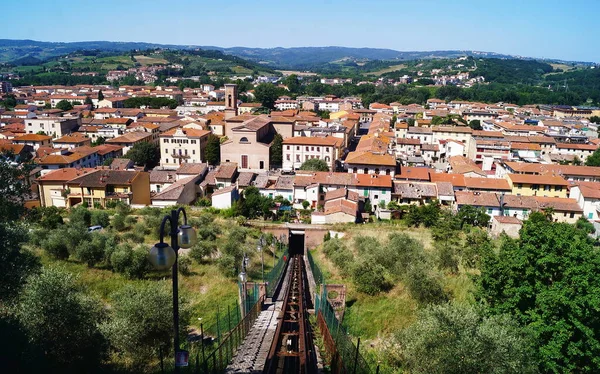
292	350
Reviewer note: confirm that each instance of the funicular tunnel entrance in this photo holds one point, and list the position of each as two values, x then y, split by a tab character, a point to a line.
296	243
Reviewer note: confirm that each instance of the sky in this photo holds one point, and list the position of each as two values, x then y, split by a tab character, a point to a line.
532	28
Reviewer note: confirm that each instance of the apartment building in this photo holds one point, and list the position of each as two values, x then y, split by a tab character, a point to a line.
182	145
55	127
297	150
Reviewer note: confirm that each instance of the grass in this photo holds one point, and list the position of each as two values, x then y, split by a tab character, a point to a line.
147	60
389	69
374	318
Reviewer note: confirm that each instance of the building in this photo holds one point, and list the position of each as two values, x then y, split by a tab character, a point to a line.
538	185
587	195
370	163
231	100
128	140
103	186
56	127
182	145
53	186
72	141
249	144
297	150
507	225
34	140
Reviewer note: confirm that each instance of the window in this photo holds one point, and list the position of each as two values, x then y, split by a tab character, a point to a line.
519	185
287	157
326	149
297	148
297	158
29	124
490	210
318	149
307	149
375	197
572	215
193	151
535	187
244	140
558	188
366	171
546	187
193	142
387	172
166	150
377	171
261	165
287	147
166	160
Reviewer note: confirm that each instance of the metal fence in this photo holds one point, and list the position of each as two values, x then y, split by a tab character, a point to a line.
345	355
216	361
272	279
318	275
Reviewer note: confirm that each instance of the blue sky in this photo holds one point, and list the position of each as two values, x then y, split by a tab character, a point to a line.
534	28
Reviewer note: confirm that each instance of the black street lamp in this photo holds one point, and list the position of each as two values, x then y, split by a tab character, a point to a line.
260	247
164	257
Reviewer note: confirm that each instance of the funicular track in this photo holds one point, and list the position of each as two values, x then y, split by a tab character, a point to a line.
292	350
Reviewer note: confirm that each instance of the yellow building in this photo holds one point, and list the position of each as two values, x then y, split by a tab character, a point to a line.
102	186
53	185
538	185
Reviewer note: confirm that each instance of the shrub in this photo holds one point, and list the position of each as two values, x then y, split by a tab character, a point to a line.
56	245
80	215
118	222
369	277
203	202
203	249
100	218
91	252
228	265
425	287
133	263
184	265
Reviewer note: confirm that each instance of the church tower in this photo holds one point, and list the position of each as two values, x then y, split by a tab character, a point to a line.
231	101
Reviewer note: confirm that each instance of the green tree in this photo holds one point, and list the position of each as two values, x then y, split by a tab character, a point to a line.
62	321
369	277
9	102
585	225
88	101
266	94
455	338
314	164
276	150
593	159
99	141
213	150
99	218
144	154
16	262
475	124
64	105
141	321
548	280
100	95
473	216
293	83
595	119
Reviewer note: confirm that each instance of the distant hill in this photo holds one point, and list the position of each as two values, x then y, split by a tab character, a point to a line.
310	57
305	58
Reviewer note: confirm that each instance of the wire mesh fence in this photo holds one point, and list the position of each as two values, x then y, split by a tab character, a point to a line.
345	355
317	273
272	279
215	357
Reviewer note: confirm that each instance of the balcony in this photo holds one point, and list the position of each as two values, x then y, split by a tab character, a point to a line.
174	155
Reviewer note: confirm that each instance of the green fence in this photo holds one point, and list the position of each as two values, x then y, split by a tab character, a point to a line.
317	273
347	354
272	279
215	358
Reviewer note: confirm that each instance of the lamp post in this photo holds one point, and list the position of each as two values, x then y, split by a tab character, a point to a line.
163	257
243	279
261	245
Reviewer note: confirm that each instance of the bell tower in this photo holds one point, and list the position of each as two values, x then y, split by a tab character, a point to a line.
231	101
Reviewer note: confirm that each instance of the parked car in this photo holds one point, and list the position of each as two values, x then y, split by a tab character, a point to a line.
94	228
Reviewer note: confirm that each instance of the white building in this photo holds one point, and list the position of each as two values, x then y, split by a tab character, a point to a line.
297	150
55	127
182	145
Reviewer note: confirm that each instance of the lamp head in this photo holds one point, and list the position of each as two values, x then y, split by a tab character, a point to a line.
162	256
243	277
186	236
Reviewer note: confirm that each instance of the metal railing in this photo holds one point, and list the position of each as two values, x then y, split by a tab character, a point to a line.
318	275
217	360
345	355
272	279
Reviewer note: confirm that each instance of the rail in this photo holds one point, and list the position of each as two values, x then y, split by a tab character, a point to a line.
292	350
